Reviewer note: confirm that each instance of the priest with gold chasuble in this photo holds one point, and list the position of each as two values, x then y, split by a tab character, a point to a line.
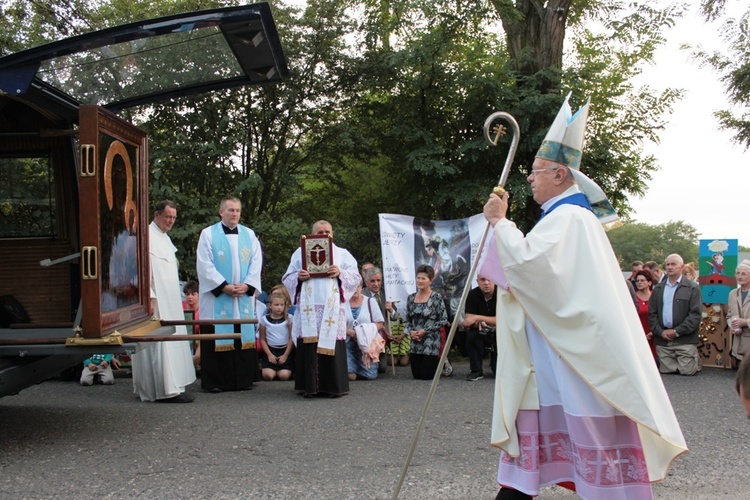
578	399
321	278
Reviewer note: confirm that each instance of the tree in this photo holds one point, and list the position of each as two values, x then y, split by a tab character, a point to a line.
258	143
535	34
609	44
644	242
446	72
733	68
386	115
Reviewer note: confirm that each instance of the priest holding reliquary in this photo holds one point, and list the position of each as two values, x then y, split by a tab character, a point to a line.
321	278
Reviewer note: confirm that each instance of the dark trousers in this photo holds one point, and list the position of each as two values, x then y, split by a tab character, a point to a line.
320	374
475	345
234	370
423	367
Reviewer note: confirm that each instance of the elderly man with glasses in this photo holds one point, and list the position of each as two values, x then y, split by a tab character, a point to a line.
578	398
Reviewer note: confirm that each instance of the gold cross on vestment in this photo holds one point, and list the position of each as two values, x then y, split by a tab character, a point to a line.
307	310
330	321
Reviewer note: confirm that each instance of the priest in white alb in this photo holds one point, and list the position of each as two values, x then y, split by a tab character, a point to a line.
319	327
578	399
162	370
228	263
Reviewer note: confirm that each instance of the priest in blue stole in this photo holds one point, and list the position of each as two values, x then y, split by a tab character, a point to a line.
578	399
229	263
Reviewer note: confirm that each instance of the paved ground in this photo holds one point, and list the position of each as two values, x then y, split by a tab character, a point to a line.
59	440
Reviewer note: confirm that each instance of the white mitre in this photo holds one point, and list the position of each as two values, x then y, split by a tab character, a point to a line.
563	144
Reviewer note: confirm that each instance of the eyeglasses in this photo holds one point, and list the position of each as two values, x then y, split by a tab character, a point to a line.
535	171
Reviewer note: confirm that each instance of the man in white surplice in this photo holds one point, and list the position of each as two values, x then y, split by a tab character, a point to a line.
162	370
578	399
319	327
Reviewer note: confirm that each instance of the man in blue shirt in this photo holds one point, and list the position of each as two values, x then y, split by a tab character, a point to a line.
674	313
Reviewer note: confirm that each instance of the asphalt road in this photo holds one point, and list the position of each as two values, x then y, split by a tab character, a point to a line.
60	440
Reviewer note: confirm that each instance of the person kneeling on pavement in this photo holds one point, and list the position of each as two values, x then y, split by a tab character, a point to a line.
479	319
98	366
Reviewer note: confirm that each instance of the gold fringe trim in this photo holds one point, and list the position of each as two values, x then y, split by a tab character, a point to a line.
327	352
248	345
224	348
309	340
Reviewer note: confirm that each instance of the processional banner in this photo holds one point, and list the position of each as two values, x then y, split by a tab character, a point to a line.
717	262
448	246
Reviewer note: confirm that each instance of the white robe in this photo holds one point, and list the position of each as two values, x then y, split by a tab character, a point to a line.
209	277
565	286
322	292
162	370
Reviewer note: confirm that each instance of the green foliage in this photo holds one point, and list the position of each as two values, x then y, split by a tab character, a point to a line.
27	197
279	238
420	112
644	242
381	115
733	68
604	65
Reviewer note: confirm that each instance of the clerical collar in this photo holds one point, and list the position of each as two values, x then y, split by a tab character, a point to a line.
570	191
228	230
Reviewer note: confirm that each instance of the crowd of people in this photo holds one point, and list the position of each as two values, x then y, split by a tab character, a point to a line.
322	331
670	311
669	307
578	397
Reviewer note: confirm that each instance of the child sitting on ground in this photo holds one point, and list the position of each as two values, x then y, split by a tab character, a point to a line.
276	339
98	366
190	306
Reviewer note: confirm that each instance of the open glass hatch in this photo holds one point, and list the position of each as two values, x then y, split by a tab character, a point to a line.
145	61
104	206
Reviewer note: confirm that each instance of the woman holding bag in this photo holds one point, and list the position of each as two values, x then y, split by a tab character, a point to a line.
360	310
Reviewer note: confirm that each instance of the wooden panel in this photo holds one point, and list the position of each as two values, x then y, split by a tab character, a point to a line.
113	207
43	291
714	340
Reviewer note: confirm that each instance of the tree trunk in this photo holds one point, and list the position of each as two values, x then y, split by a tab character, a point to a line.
535	36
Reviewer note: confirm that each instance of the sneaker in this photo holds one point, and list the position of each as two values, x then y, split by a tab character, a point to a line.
474	376
447	369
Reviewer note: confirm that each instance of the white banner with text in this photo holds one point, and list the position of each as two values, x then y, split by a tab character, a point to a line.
448	246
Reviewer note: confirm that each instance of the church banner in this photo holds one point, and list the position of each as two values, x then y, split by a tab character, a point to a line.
448	246
717	262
